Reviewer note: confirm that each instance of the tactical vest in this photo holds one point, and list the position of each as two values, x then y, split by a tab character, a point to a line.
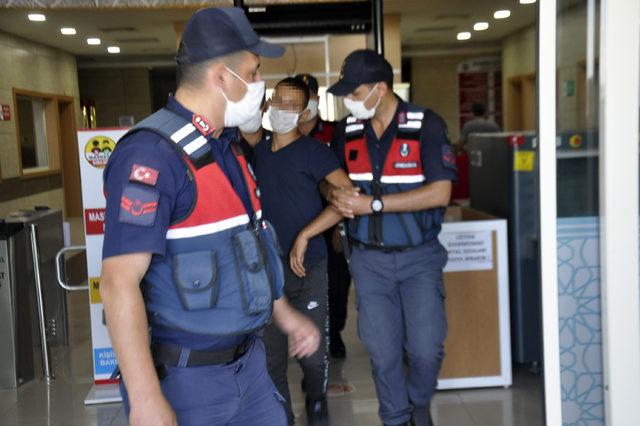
222	267
402	171
323	131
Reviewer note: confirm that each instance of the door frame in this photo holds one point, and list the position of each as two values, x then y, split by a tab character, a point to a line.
619	225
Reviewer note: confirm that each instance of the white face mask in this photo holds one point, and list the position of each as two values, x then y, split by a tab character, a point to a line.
237	113
357	108
313	109
283	121
253	125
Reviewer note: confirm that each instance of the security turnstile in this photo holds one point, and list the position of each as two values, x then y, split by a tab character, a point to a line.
18	328
50	241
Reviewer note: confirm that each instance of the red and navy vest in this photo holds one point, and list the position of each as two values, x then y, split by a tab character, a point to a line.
402	171
222	267
323	131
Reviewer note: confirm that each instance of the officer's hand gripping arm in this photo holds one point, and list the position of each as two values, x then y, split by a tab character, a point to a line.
304	336
429	196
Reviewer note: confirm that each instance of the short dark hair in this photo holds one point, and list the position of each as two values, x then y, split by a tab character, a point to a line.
389	83
298	85
478	109
191	74
310	81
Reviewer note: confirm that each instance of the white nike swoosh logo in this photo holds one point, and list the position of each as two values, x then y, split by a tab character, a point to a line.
312	305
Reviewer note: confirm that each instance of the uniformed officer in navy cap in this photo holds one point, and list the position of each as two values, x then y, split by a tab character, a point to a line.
399	156
186	251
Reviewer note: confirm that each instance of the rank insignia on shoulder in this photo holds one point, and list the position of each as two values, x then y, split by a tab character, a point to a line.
139	205
201	124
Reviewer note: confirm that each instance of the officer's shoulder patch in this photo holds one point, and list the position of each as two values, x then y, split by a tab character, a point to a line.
144	175
448	157
139	205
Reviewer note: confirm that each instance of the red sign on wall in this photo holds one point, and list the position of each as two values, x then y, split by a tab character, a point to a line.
6	113
94	221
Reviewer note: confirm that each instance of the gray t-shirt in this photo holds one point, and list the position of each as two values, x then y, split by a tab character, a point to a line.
478	125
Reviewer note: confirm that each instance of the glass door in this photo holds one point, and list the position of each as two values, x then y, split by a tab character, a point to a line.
588	65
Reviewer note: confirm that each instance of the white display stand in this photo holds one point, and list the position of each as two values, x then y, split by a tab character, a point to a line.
478	346
94	149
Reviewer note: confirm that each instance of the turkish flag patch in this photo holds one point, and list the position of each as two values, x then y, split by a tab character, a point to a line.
143	174
139	205
448	157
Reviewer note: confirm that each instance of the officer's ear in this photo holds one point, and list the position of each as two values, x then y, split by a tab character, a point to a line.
382	89
217	75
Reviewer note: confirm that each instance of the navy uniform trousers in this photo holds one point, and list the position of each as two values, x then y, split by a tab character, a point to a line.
400	300
240	393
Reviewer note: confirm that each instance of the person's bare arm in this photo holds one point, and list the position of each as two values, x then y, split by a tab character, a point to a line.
128	328
328	218
351	203
325	220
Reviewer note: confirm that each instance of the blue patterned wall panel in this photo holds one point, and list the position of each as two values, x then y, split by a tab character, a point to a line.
580	322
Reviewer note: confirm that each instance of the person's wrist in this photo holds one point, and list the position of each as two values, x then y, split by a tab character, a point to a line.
150	392
305	235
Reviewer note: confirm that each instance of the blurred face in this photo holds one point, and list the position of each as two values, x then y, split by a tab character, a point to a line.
288	98
287	109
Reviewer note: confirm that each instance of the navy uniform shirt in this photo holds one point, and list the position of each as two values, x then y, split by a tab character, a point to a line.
438	158
289	180
176	197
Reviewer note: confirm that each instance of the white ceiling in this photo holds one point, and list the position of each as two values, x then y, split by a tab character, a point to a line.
150	33
437	22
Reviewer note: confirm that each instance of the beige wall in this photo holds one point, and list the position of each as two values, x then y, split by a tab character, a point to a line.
30	66
53	199
434	85
519	58
117	92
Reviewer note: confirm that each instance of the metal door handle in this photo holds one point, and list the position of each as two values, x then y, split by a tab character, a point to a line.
35	251
61	282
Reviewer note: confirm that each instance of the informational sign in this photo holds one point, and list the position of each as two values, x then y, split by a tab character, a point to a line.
5	113
468	251
480	80
524	161
94	148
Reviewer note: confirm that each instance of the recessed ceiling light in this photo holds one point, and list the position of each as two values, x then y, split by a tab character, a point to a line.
68	31
113	49
93	41
37	17
465	35
502	14
480	26
527	1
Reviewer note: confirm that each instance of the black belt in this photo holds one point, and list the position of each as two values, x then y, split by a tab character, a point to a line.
362	246
170	355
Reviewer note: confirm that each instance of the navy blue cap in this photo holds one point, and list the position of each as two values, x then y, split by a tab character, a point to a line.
310	81
215	32
361	67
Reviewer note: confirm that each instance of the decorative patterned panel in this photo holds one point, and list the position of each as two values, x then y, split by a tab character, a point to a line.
580	322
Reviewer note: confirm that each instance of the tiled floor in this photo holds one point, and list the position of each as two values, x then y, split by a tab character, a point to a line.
61	403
